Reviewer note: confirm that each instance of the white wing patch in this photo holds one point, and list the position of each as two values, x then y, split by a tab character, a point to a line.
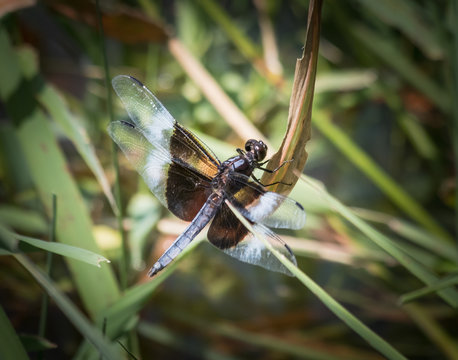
150	117
150	162
267	208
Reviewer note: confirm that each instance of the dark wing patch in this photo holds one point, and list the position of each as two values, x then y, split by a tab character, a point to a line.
179	188
252	250
186	147
156	124
226	230
175	164
186	191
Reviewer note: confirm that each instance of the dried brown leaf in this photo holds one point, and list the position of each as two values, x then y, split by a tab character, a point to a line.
127	25
9	6
300	110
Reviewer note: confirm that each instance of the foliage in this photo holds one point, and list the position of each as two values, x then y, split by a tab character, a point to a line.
379	252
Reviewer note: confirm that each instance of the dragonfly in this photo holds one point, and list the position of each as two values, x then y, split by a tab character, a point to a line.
190	181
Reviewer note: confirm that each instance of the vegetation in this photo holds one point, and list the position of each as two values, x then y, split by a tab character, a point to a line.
377	260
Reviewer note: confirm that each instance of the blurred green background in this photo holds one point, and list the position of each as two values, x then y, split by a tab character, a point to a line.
380	236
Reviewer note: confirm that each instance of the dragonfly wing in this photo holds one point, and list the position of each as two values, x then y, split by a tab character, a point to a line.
179	188
229	235
264	207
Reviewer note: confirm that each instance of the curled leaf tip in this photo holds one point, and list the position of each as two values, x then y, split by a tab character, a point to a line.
102	259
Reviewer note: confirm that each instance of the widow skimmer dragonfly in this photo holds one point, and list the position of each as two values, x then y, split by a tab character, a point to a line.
187	177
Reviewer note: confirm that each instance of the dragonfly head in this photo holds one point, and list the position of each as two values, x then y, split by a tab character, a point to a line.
257	148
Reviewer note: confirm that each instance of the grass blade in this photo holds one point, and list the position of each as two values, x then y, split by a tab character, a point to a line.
45	298
49	171
454	71
12	242
394	56
362	330
449	295
124	268
122	315
415	234
446	282
270	343
69	251
359	158
92	334
433	330
403	15
246	47
55	105
24	220
10	345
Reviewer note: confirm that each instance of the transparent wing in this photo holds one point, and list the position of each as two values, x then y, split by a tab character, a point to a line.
175	164
229	235
156	124
161	173
253	251
150	162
